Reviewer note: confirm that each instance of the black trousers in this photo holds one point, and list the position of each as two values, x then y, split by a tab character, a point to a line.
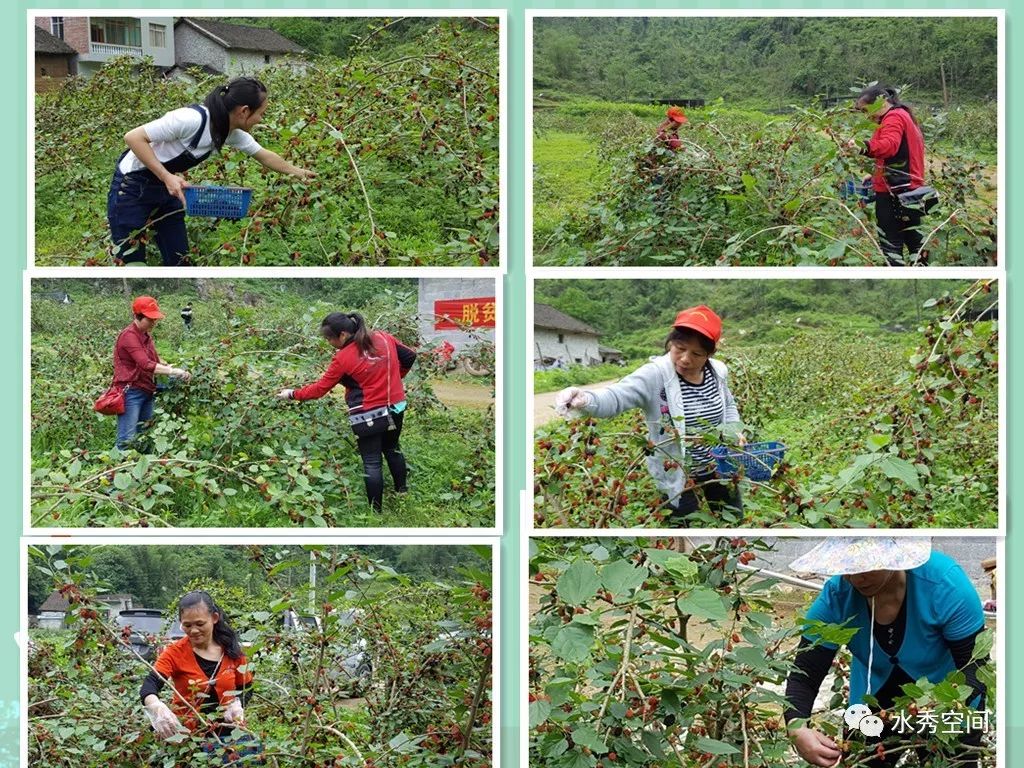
374	450
717	493
897	228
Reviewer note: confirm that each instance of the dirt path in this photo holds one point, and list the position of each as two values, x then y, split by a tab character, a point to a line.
544	403
986	186
463	394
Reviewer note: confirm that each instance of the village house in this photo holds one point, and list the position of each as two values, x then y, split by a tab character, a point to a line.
97	39
218	47
54	610
560	340
55	60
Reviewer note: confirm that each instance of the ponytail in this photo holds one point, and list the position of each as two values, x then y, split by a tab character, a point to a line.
240	92
892	95
223	634
352	323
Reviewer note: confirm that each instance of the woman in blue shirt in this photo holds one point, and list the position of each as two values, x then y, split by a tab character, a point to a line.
916	614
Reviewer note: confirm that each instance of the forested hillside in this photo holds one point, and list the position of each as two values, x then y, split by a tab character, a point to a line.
762	61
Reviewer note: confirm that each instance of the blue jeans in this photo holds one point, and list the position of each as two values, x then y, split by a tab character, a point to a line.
245	749
133	201
138	410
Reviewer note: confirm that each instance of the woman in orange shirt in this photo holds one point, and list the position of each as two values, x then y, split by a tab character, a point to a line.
211	682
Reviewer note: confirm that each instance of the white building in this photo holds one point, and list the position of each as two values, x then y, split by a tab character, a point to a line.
231	49
561	340
460	311
54	610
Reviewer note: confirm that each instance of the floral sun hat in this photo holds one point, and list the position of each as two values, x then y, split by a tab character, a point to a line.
837	556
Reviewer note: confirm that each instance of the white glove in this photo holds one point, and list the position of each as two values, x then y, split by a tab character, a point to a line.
181	373
285	394
572	399
164	722
234	713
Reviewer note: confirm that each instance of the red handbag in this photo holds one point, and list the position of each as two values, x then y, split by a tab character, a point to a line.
111	402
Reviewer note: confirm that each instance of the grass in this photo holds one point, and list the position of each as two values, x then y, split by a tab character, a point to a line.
567	170
579	375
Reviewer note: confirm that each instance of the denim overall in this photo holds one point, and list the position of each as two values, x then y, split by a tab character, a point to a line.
139	197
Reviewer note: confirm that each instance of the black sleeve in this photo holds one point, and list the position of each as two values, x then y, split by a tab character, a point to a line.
809	670
406	356
152	684
961	651
244	694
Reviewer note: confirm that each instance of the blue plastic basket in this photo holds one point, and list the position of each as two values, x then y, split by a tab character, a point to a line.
757	459
851	189
218	202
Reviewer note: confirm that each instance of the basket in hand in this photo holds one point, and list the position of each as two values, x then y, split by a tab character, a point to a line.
757	459
218	202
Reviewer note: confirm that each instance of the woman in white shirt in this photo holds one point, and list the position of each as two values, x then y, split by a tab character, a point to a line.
147	191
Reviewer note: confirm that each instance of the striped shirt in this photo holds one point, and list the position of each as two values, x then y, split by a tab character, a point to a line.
704	410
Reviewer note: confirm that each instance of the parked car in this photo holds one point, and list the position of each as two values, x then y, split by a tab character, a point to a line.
150	630
356	667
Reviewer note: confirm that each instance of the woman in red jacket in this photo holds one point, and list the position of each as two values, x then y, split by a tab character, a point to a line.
211	679
371	365
898	149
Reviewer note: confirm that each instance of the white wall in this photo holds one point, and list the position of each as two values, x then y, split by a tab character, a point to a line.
575	347
433	289
191	47
51	620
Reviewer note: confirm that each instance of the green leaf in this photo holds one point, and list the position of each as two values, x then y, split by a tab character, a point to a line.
622	577
653	742
122	480
572	642
586	736
715	747
703	603
576	759
553	745
677	564
982	645
896	468
878	441
752	656
579	583
539	711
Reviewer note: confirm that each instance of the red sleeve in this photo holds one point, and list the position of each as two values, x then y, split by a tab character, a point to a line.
137	352
326	383
886	141
166	663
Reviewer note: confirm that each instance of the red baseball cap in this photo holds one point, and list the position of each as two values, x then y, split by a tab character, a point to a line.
147	306
676	114
701	319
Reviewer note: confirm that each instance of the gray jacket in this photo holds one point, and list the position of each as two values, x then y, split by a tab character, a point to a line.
655	388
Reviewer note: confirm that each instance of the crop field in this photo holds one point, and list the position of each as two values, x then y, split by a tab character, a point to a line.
425	636
403	136
642	655
746	188
885	424
222	451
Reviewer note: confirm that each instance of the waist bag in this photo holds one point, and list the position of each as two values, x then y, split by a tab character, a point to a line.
372	422
922	199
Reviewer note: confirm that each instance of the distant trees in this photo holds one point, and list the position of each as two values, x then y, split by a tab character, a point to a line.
766	60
